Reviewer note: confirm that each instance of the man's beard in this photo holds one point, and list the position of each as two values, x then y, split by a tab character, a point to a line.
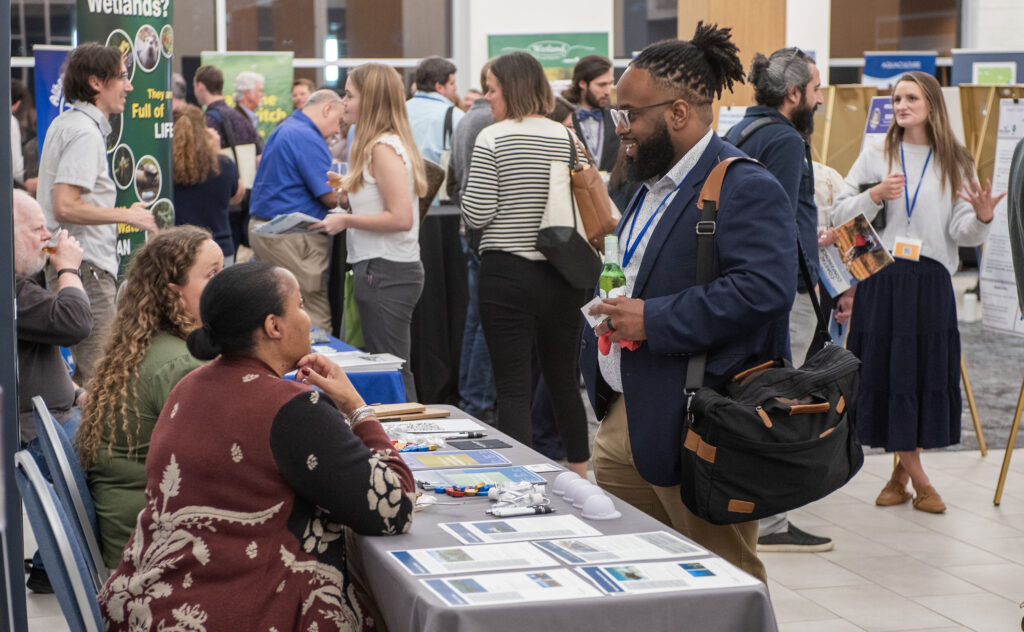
802	118
653	157
30	266
592	102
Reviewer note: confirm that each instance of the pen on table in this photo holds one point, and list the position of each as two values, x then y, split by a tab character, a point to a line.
462	435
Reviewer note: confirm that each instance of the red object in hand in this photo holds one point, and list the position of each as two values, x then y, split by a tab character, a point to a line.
604	343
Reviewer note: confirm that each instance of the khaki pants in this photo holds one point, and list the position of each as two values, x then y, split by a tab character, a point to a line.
615	472
101	288
307	256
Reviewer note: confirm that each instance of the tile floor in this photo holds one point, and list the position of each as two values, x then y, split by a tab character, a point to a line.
893	568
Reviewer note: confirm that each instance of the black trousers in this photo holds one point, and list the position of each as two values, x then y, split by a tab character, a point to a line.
526	305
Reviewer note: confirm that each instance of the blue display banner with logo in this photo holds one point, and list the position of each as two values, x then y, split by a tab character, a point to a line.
49	88
987	67
879	120
882	69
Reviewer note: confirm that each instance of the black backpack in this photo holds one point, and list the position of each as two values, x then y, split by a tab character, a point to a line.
775	437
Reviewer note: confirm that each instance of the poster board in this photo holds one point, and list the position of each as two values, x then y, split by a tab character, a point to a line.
980	106
557	53
839	125
993	66
727	116
878	121
1000	308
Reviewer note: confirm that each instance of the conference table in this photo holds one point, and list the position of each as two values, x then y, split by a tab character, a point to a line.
407	603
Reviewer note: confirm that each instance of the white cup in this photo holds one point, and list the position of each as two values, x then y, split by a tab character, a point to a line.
970	310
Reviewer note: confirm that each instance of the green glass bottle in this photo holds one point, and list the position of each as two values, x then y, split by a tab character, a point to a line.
613	280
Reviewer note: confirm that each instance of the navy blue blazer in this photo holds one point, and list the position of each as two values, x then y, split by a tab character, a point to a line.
740	319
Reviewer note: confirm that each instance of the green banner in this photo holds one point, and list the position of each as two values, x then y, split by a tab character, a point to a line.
557	52
139	146
277	72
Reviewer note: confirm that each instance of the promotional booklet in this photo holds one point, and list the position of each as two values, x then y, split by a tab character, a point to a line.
547	585
650	577
287	224
465	559
617	548
856	254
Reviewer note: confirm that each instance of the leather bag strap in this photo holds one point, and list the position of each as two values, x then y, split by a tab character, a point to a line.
708	204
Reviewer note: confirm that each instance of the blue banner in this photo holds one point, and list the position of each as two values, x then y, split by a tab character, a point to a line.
987	67
882	69
49	87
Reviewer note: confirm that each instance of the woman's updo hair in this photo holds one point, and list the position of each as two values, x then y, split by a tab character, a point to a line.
233	306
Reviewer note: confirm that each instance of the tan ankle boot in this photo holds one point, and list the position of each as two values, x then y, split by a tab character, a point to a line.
929	500
893	494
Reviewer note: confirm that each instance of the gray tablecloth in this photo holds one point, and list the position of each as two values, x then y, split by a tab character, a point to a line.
406	604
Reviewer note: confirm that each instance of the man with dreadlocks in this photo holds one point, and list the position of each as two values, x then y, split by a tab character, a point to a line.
740	319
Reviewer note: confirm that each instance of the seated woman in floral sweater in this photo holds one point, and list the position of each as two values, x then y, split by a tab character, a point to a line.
251	478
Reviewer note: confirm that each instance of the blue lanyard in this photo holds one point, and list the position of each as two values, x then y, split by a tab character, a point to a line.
917	189
636	211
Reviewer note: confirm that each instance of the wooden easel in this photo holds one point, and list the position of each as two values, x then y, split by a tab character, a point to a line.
1014	427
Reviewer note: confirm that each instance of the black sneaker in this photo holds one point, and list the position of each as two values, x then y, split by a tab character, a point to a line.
793	540
38	582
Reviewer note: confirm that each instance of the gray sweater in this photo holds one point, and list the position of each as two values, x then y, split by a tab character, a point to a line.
464	138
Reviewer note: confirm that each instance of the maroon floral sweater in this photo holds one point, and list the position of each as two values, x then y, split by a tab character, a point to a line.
251	481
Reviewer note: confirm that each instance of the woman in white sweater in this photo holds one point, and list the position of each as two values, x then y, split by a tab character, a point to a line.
904	326
526	306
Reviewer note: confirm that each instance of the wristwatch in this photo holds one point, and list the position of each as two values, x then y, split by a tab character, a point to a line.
74	271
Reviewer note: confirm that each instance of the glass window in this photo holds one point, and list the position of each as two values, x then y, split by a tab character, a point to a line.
640	22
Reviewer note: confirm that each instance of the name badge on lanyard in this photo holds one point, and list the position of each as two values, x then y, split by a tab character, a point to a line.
907	247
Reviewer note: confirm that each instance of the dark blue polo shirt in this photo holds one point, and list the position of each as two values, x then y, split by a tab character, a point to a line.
292	174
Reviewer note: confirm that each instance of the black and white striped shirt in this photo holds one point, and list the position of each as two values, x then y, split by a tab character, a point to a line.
507	187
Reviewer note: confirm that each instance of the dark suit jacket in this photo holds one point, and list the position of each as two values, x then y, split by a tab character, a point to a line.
740	319
610	144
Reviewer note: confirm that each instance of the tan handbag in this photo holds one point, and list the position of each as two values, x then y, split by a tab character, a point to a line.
598	213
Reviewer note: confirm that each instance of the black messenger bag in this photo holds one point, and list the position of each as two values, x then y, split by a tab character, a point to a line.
775	437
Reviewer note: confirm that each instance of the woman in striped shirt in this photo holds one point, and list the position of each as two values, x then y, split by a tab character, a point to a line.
525	304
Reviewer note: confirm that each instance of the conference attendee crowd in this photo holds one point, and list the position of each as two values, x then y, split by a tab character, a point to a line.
178	403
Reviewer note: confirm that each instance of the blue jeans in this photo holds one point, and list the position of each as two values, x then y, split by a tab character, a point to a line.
476	378
70	427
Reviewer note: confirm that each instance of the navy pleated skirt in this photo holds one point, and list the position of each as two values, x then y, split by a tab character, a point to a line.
904	330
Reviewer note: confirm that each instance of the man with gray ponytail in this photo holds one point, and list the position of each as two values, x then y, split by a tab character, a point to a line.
787	88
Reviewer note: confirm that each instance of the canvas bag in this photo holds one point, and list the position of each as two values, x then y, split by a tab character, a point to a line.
775	437
561	238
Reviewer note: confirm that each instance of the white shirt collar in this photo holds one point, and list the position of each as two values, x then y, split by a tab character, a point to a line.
678	171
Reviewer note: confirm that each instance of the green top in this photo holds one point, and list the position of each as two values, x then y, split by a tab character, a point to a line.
118	481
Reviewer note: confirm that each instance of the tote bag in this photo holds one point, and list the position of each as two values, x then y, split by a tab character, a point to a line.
561	237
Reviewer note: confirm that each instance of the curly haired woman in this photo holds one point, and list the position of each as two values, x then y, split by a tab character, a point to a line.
205	183
144	358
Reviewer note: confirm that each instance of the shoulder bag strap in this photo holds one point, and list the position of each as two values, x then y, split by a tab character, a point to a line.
446	140
226	130
707	203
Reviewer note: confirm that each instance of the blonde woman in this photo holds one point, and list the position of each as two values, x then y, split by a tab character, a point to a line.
385	179
205	182
144	358
903	326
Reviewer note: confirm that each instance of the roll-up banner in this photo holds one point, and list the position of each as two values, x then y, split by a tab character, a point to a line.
139	145
277	72
49	88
